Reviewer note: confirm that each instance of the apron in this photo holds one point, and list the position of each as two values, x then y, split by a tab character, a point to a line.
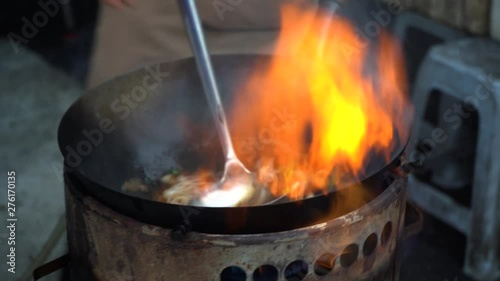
152	31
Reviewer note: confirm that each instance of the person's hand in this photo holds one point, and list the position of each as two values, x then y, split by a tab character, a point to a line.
119	4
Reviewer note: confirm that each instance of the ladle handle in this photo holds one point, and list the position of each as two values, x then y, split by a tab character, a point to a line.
194	29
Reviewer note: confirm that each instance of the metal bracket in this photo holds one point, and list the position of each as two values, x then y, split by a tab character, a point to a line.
51	267
413	221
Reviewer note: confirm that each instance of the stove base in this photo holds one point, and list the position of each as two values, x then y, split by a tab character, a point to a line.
362	245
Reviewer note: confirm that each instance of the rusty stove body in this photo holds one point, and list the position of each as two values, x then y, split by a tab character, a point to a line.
362	245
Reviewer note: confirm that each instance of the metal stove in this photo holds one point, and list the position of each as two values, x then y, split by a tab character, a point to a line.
361	245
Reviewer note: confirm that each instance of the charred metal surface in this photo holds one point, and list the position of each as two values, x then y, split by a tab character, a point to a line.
113	247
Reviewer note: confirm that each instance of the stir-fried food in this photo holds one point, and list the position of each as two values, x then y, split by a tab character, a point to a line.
183	189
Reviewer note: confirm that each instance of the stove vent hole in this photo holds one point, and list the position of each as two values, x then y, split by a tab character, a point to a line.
370	245
296	270
324	264
266	273
233	273
349	255
386	233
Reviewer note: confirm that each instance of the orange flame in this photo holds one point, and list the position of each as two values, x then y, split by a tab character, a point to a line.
316	110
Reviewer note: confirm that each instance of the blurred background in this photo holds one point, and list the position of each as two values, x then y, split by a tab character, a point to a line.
453	66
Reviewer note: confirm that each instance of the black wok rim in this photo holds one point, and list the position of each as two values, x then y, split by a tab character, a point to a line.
109	196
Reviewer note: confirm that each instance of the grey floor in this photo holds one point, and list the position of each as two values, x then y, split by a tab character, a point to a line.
35	90
33	97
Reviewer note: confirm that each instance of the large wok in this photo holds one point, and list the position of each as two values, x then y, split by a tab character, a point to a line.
170	127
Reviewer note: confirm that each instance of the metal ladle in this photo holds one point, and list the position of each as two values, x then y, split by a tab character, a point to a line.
235	173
